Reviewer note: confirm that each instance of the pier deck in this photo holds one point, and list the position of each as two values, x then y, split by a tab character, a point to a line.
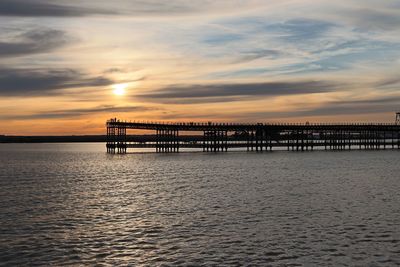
218	137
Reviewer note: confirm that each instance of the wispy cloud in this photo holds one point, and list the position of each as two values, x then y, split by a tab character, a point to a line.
300	29
374	19
250	55
389	82
356	107
333	109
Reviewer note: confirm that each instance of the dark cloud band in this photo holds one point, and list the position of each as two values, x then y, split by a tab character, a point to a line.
42	82
228	92
40	8
32	42
72	113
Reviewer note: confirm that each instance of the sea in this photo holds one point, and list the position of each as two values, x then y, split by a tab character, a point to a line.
76	205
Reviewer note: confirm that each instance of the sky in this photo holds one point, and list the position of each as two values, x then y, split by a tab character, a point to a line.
67	66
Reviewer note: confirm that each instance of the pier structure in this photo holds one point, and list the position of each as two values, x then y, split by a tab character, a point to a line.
220	137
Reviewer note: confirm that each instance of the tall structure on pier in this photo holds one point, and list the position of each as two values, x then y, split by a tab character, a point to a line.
398	118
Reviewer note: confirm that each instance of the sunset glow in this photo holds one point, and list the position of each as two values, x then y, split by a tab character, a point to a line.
64	64
119	89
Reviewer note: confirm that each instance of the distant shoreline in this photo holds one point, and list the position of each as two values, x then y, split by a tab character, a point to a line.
53	139
4	139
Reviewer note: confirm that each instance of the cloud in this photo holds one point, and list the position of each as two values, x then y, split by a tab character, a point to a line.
228	92
385	104
300	29
70	113
42	82
222	38
65	8
34	41
336	108
246	56
163	7
41	8
372	19
352	107
114	70
389	83
184	7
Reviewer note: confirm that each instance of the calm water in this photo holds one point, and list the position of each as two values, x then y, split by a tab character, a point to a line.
71	204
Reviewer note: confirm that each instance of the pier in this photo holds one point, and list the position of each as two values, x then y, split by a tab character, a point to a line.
220	137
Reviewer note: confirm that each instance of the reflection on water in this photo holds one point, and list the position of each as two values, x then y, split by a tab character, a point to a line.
72	203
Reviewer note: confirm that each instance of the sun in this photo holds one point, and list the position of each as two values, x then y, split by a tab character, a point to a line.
119	89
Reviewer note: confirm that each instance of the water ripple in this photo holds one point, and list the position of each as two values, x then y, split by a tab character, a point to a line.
69	205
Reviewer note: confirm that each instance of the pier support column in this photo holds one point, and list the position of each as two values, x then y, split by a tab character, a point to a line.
167	140
111	136
398	140
121	139
392	139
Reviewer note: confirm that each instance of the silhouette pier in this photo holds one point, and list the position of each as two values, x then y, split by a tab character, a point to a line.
219	137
